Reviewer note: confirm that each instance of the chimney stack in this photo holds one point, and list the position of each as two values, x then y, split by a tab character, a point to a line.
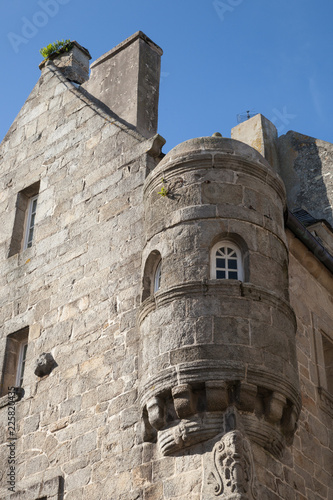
126	79
260	134
74	64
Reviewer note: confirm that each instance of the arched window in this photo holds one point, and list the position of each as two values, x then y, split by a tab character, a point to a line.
152	274
226	262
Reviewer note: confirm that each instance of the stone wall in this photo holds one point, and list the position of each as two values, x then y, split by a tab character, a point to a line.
76	288
306	168
313	446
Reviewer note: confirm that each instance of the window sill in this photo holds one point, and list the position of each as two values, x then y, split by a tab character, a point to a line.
18	395
52	489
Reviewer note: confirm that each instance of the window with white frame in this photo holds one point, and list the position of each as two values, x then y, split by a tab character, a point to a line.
21	363
30	224
226	261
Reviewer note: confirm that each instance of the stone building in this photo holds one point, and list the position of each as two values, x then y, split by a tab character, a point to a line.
166	320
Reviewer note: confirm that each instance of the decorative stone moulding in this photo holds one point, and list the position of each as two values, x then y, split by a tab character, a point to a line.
257	168
230	472
196	167
191	415
222	288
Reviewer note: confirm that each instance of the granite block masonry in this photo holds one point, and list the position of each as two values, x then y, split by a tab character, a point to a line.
166	332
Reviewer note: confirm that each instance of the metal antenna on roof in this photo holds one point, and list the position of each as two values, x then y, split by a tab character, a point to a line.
246	115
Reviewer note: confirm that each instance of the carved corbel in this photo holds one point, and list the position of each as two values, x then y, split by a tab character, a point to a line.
216	395
248	397
231	474
156	413
289	421
183	400
275	407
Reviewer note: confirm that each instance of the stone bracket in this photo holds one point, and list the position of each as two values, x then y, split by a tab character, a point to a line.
229	471
188	414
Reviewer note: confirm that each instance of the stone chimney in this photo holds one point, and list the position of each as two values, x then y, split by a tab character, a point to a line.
260	134
74	64
126	79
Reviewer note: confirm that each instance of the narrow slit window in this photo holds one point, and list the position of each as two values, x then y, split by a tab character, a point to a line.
32	208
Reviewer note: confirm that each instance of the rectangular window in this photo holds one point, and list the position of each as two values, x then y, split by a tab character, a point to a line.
24	222
15	360
323	337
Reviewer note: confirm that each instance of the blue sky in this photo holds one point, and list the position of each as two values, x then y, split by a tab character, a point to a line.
221	57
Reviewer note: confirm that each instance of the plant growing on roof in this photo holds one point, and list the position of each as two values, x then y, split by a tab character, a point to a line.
56	48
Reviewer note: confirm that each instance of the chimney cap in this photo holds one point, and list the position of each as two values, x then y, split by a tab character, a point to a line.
121	46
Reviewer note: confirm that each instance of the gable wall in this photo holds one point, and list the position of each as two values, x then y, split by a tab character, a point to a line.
77	288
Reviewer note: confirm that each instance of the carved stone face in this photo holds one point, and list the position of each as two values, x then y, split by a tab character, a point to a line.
233	440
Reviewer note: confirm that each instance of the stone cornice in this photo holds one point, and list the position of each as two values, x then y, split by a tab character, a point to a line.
227	288
223	160
309	261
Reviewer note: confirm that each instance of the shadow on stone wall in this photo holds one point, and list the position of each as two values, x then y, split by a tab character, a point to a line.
305	166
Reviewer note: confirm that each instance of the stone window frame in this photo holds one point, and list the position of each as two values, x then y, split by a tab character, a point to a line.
323	337
152	274
225	243
14	363
23	211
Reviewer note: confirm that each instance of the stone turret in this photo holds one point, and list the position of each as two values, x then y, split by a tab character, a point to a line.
216	350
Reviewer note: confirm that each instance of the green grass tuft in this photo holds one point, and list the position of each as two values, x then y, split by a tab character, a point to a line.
56	48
